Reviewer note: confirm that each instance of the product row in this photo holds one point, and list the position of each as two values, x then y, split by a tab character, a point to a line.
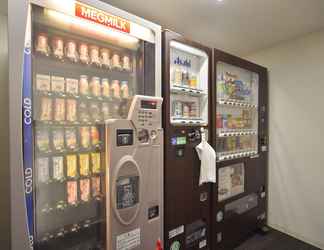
73	111
233	144
184	78
75	193
72	166
78	51
84	86
58	139
230	87
230	121
185	110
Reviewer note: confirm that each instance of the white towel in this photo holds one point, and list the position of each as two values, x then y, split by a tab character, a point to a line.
207	156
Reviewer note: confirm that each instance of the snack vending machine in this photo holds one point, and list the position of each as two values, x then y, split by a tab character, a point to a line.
186	82
78	66
240	138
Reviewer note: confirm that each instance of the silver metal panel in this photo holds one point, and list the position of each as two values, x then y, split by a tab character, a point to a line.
146	161
4	130
17	18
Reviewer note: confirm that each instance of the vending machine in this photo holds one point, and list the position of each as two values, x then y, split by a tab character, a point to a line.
186	84
240	137
76	69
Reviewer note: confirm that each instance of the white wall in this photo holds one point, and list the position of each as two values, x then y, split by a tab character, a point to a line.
296	167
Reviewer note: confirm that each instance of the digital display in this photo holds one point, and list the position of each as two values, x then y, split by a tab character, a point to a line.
145	104
181	140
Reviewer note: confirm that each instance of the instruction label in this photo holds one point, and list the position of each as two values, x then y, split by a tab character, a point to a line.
129	240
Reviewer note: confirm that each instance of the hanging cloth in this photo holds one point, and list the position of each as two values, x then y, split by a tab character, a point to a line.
207	156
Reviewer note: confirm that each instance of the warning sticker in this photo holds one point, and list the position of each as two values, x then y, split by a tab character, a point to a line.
129	240
176	231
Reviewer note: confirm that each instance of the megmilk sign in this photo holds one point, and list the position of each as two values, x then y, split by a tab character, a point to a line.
86	12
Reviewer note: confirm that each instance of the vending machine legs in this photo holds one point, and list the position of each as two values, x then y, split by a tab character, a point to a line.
134	177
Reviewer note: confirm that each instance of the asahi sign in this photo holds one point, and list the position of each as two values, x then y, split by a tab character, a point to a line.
100	17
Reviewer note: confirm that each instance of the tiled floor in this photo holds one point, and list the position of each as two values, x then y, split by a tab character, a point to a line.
274	240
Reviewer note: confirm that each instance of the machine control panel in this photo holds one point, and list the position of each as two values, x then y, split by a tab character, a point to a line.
145	112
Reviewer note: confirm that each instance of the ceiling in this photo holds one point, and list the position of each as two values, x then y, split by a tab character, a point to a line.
237	26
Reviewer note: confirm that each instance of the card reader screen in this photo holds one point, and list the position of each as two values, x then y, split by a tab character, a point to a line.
146	104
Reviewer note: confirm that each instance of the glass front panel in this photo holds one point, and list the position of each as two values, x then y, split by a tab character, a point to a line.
237	112
188	85
231	181
81	77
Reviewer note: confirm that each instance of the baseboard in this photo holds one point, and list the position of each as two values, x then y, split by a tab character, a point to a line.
297	236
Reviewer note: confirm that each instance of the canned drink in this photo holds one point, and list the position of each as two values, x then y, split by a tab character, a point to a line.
105	111
43	83
177	109
96	189
84	164
193	81
115	110
95	137
46	109
71	166
58	139
83	112
58	47
43	170
95	161
42	140
71	113
186	110
219	121
126	63
177	77
95	112
42	44
71	50
72	86
116	61
94	55
95	86
84	85
105	87
59	113
124	89
85	137
72	192
224	120
84	53
85	190
71	138
185	78
58	168
193	110
58	84
115	89
123	110
105	57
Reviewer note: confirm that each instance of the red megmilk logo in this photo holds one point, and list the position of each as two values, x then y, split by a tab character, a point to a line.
100	17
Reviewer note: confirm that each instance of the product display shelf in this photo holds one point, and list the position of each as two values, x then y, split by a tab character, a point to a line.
236	132
223	156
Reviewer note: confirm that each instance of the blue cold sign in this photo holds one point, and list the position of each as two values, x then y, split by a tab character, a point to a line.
183	62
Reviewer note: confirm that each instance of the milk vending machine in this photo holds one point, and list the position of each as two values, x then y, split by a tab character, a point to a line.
240	137
186	82
85	118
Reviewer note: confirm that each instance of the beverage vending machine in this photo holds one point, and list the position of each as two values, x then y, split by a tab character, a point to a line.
240	138
74	67
186	84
